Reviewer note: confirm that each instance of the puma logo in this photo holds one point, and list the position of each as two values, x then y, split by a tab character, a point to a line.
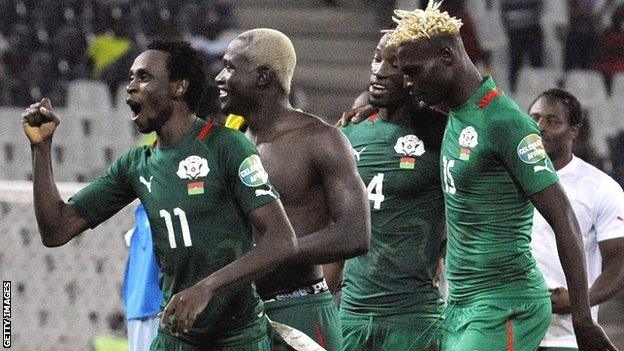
541	168
357	154
147	184
260	192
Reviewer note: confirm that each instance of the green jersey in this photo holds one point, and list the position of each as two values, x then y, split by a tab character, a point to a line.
196	194
492	160
400	167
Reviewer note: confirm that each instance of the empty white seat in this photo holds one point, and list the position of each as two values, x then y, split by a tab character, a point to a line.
587	86
533	81
85	94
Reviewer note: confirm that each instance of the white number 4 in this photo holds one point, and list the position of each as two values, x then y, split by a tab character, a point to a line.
186	234
375	190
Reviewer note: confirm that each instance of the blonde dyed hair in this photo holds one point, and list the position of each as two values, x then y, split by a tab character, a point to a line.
271	48
420	24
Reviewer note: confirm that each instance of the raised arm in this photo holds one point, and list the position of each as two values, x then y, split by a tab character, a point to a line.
58	222
277	243
349	234
554	205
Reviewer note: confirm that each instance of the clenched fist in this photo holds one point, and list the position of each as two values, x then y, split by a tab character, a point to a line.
39	122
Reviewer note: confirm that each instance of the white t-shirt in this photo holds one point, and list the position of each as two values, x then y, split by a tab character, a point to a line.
598	202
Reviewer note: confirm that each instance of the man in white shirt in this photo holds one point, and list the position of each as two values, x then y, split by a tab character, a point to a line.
598	202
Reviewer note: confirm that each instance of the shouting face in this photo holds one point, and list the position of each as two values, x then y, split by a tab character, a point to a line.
149	91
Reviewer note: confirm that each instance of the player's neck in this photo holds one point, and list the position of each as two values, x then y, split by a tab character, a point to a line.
396	113
175	128
266	118
471	81
563	160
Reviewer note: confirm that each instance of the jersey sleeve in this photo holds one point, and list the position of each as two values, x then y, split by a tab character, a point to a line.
245	173
518	145
609	211
107	195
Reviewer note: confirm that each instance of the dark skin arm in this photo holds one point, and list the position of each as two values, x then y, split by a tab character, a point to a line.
609	283
58	222
333	276
349	234
356	115
554	205
276	244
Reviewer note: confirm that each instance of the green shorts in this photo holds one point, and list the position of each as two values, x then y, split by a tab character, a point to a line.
252	337
412	331
511	326
314	315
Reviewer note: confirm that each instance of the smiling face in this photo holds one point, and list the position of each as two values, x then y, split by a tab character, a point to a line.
425	76
149	95
386	81
237	81
558	133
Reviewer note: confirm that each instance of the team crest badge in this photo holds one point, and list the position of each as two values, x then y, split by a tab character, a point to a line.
468	139
193	167
410	146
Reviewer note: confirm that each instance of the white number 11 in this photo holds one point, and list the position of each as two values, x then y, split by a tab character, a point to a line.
186	233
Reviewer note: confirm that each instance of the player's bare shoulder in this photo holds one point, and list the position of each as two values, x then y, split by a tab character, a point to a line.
320	135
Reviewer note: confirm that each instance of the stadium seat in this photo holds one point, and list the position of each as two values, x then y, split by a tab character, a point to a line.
618	86
587	86
533	81
84	94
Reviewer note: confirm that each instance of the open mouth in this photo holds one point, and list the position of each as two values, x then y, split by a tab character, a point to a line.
135	107
378	87
223	93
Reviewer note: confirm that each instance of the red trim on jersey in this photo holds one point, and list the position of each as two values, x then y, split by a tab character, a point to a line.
320	336
154	144
510	336
203	133
489	96
373	117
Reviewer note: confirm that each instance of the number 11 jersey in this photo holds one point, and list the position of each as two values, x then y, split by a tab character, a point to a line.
197	194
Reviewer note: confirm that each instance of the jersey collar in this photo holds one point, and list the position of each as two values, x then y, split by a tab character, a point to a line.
482	96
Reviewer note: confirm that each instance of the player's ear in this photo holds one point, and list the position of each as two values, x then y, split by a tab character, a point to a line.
575	129
179	88
265	75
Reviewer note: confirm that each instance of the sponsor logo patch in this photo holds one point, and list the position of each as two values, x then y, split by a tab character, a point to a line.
358	154
251	172
148	184
531	150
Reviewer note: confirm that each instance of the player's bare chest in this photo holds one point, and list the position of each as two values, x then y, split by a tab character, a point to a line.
289	167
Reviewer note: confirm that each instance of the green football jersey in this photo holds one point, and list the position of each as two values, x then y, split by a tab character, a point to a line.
400	169
492	160
196	194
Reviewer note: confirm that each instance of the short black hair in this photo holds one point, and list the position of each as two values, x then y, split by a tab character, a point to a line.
575	111
184	62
